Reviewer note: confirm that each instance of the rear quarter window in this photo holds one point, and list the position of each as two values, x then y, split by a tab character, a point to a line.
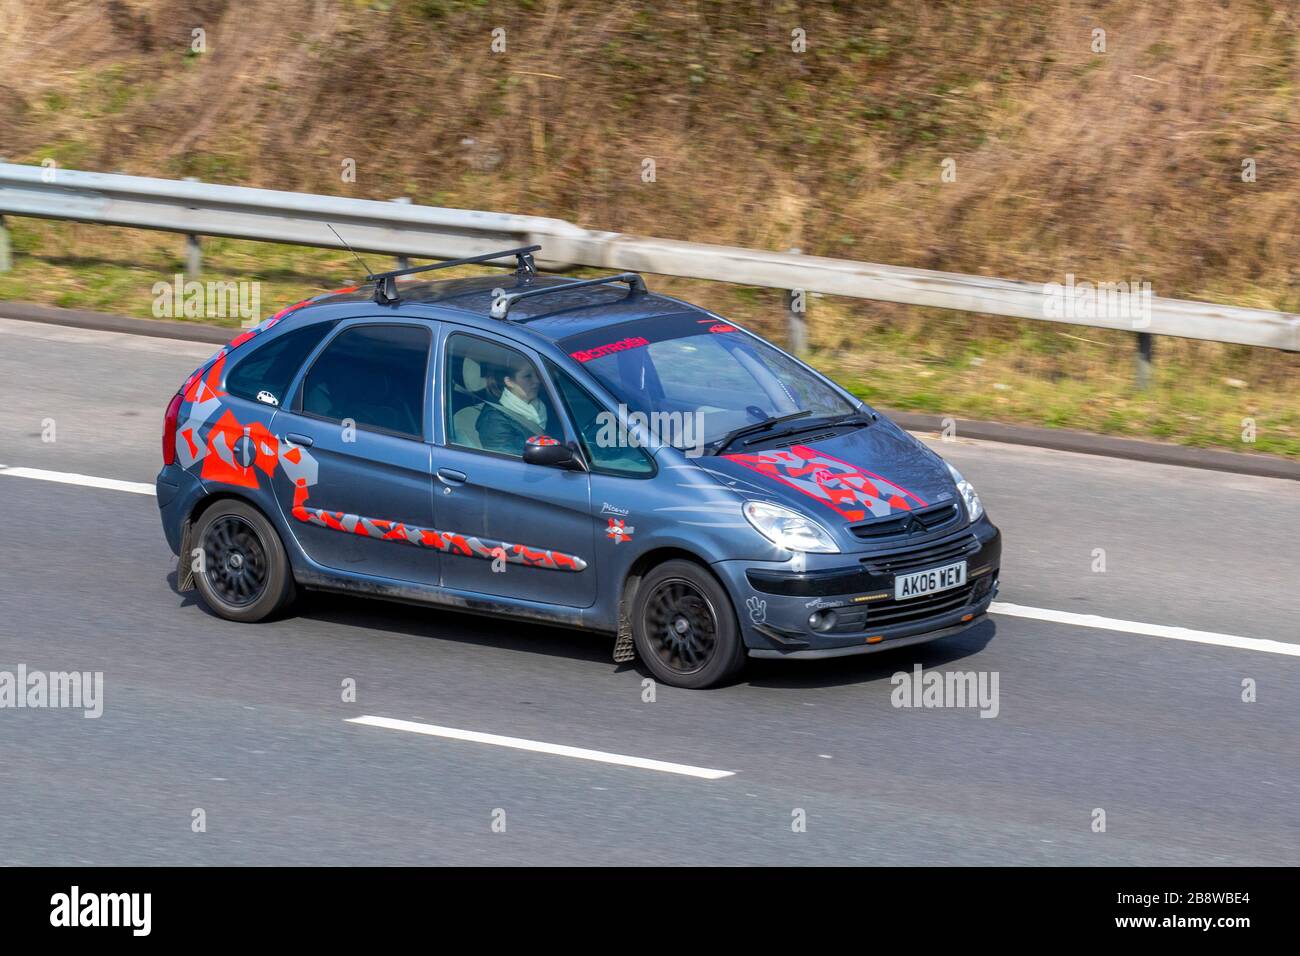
264	374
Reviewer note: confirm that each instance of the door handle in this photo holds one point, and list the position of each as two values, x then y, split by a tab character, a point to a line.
306	441
449	476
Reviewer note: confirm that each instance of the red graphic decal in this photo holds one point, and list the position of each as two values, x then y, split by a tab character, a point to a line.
618	531
543	440
633	342
447	542
286	310
213	379
845	488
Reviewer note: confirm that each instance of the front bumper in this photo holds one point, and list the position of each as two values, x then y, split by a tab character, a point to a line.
851	649
844	603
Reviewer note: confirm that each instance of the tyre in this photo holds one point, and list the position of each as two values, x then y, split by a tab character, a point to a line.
245	573
684	626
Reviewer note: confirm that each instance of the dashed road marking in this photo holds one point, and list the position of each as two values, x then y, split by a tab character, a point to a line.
537	746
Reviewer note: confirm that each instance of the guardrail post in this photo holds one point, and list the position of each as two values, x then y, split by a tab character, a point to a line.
6	251
796	304
1145	356
193	249
193	257
402	261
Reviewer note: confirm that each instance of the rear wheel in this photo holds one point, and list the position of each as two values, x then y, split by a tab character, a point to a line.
245	573
684	626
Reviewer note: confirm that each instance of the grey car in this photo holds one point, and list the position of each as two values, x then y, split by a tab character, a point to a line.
581	452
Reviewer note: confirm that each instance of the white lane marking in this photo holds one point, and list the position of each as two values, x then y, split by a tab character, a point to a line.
1149	630
88	481
537	746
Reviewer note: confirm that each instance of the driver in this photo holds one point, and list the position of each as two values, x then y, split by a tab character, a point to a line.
506	425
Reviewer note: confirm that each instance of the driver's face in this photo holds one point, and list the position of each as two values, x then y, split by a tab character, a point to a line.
524	383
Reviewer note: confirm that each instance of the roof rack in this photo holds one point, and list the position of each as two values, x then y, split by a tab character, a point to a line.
386	282
501	304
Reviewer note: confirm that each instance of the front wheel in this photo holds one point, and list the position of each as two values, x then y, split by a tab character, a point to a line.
685	628
244	575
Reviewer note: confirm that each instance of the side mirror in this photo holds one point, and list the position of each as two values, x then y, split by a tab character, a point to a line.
545	450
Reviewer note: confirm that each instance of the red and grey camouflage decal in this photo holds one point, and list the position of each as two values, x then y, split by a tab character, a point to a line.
845	488
233	453
448	542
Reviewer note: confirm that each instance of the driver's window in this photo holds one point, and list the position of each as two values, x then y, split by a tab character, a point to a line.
497	400
602	441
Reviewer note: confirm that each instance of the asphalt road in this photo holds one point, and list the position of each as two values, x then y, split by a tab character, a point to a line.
248	722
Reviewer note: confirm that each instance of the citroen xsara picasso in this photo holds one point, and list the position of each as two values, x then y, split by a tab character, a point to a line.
569	451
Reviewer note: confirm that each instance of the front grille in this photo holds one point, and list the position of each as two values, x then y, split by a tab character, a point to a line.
890	613
923	521
926	556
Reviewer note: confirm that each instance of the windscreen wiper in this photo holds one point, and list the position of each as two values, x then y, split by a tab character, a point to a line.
857	418
721	445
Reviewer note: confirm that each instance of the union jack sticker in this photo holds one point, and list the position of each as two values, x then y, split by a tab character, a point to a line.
618	530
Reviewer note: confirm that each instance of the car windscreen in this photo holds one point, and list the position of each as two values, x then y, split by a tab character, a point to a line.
714	376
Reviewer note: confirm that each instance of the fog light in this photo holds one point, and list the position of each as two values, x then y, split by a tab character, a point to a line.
822	620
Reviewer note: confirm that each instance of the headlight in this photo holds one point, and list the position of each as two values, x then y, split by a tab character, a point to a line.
974	507
789	529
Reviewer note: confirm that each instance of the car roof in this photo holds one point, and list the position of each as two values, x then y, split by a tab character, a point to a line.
555	316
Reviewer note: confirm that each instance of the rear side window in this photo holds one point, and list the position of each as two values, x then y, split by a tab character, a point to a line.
264	374
374	376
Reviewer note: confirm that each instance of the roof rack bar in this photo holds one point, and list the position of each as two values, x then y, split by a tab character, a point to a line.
386	282
501	305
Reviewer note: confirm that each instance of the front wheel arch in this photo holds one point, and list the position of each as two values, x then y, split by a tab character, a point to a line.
686	570
648	561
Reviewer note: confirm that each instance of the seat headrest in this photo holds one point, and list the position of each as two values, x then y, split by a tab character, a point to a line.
471	374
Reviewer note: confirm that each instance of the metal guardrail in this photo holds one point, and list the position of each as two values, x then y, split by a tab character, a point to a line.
410	231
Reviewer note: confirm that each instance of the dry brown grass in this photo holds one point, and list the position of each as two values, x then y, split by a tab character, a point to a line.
1115	165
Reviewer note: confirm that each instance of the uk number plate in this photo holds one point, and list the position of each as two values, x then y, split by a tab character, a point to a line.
920	583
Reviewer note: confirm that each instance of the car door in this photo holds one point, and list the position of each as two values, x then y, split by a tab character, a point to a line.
354	484
513	529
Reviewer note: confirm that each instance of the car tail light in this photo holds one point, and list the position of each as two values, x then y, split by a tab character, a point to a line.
169	429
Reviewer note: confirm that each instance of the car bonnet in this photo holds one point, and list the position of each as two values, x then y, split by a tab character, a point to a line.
866	474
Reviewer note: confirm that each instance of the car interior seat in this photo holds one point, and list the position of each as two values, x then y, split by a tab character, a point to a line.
468	389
